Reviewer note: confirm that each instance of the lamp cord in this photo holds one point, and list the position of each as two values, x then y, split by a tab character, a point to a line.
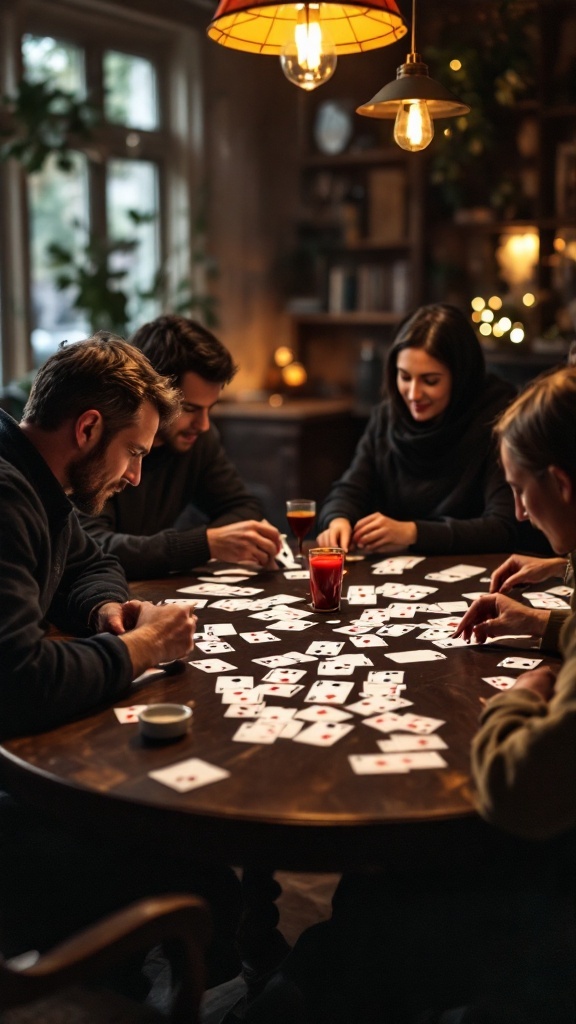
413	26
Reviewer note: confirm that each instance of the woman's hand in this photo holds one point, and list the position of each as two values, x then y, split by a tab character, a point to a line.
380	533
337	535
539	680
519	570
496	615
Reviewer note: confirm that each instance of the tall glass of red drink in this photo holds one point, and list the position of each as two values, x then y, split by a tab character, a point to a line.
301	515
326	572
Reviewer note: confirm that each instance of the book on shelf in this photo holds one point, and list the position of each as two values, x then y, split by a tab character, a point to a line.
387	205
342	289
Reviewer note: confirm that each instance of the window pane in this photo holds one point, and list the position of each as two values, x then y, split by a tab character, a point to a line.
130	91
132	188
61	62
58	205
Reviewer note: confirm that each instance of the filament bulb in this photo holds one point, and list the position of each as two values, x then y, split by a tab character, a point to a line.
413	128
309	59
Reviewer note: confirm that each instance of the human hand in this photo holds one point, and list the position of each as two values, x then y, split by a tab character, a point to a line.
496	615
377	532
337	535
161	633
249	541
116	618
539	680
521	569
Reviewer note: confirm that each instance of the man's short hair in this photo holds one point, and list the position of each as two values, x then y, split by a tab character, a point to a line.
104	373
175	346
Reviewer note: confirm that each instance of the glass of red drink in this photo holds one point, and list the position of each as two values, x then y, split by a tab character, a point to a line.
301	515
326	572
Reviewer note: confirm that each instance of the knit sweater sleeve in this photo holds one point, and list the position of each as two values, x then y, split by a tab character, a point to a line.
352	496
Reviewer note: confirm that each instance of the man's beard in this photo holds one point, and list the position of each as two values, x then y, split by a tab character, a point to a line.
87	480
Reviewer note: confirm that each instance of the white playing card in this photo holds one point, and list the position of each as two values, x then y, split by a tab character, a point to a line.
293	625
325	647
548	602
238	574
499	682
189	774
244	710
214	646
232	604
354	630
418	723
220	628
368	589
284	690
281	611
241	696
393	676
258	732
290	729
191	602
297	574
276	713
261	636
274	660
328	691
403	657
396	628
561	591
434	634
284	675
457	572
371	705
382	689
373	615
405	741
368	640
126	716
453	606
233	683
385	721
377	764
455	641
349	659
297	658
213	665
321	713
401	611
326	668
361	598
522	663
323	734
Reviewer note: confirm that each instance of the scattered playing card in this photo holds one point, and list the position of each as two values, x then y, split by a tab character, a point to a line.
284	675
253	696
377	764
326	668
213	665
128	715
320	713
325	647
386	721
274	660
323	734
233	683
500	682
328	691
394	676
258	731
261	636
284	690
396	628
276	713
244	710
523	663
372	705
220	628
293	625
354	630
403	657
290	729
404	741
369	640
418	723
297	574
189	774
191	602
214	646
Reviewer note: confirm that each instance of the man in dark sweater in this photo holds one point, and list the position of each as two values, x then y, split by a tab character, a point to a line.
94	410
191	504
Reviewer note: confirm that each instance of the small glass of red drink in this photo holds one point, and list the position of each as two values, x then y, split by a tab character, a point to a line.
301	515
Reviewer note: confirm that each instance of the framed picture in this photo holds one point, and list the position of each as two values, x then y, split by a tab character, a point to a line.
566	180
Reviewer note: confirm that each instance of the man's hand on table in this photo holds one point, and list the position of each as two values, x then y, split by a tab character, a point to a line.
152	633
249	541
497	615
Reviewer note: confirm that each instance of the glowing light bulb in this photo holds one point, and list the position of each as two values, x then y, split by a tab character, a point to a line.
309	59
413	128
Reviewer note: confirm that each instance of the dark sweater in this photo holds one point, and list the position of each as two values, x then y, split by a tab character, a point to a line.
50	572
455	490
148	528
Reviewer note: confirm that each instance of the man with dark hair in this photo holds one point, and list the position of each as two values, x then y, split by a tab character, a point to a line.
157	530
94	410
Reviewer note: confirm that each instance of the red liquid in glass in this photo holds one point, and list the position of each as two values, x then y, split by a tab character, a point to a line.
300	523
326	582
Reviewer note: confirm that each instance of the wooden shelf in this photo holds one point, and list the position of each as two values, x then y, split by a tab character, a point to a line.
355	318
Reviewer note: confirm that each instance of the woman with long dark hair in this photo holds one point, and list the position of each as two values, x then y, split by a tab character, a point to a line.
425	473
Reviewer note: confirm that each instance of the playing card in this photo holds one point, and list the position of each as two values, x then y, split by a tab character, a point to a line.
290	729
361	597
522	663
456	573
453	606
403	657
396	628
276	713
220	628
418	723
232	604
274	660
404	741
369	640
377	764
401	611
382	689
455	641
320	713
128	715
233	683
499	682
561	591
328	691
400	761
325	647
293	625
348	659
285	557
261	636
434	634
354	630
297	574
283	690
361	590
373	615
213	665
189	601
244	710
394	676
213	646
189	774
238	574
281	611
371	705
253	696
326	668
296	658
385	721
323	734
546	601
258	732
284	675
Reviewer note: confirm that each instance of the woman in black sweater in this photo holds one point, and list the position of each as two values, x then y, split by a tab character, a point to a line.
425	473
